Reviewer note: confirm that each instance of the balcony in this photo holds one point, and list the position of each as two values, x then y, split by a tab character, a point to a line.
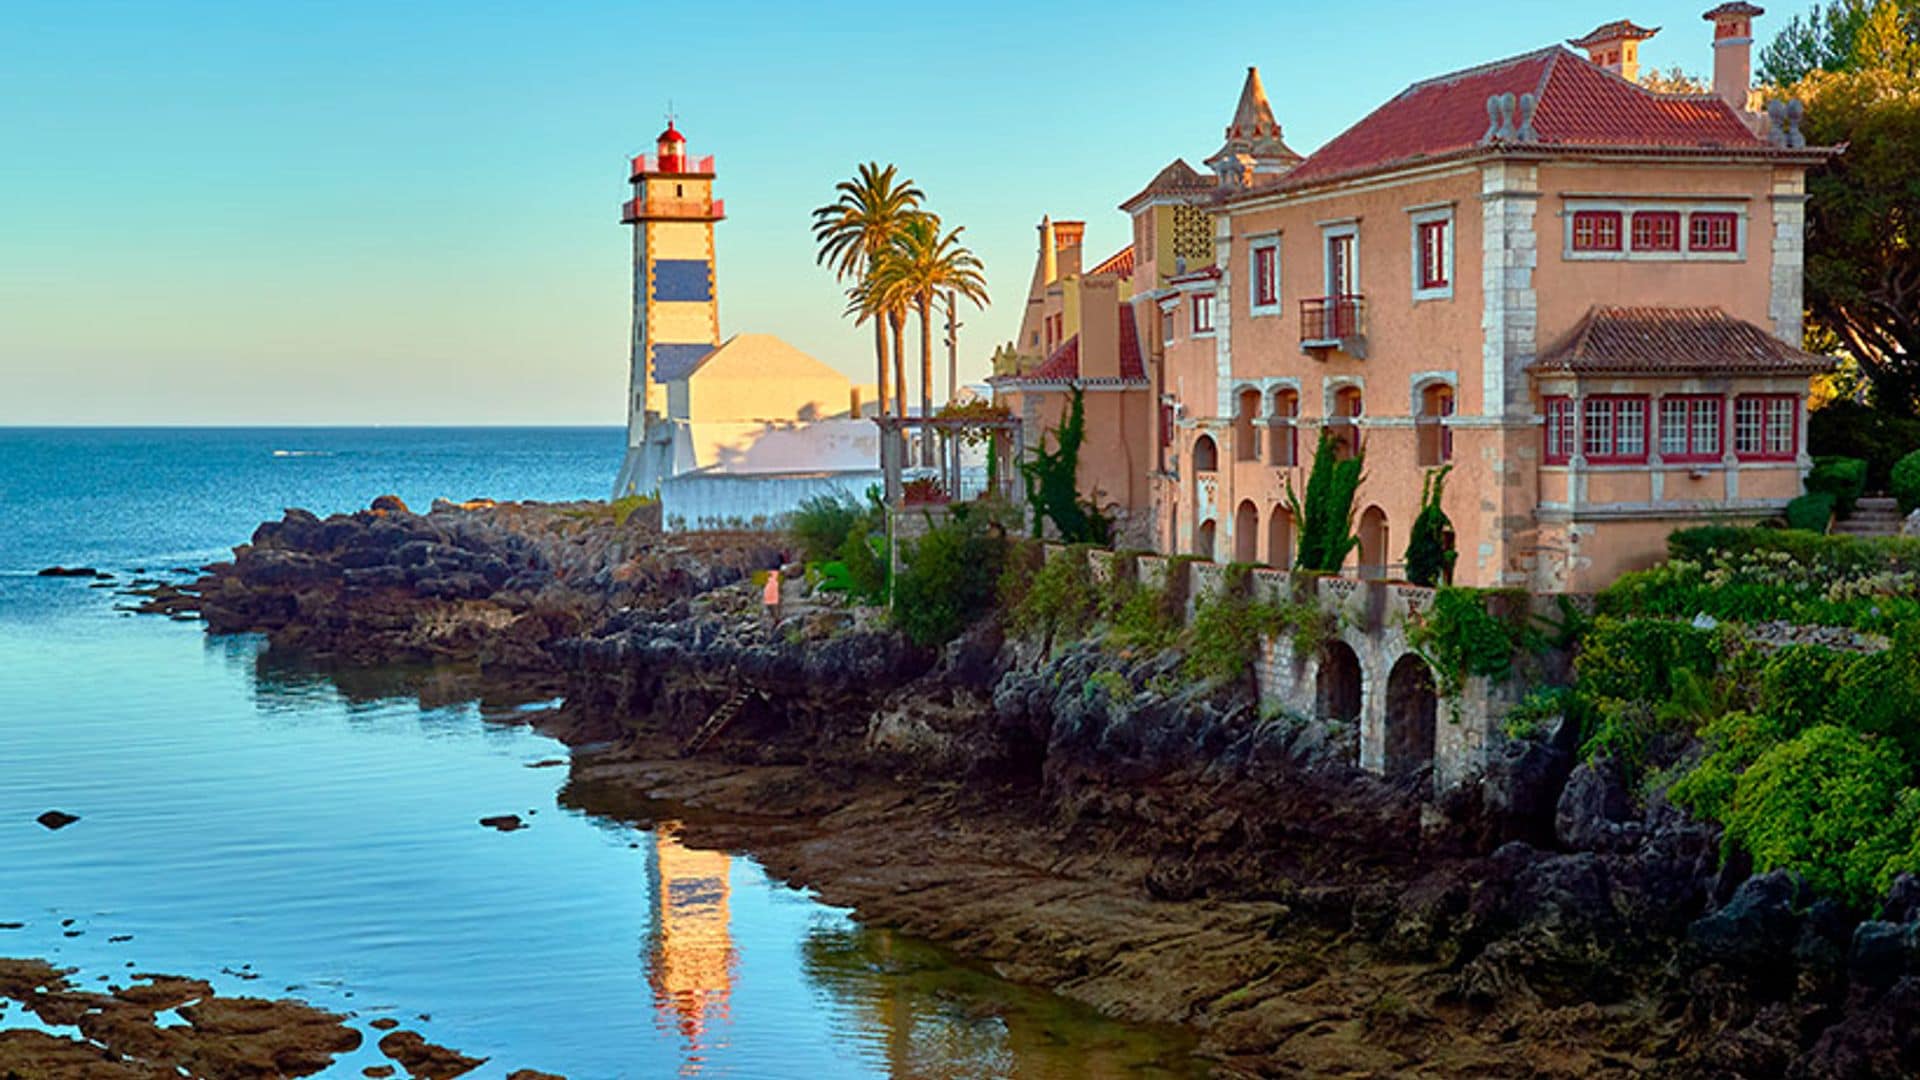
1329	323
650	163
636	210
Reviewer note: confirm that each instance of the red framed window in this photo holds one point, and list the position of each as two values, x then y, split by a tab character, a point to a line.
1166	425
1656	230
1766	427
1266	276
1614	429
1690	427
1713	232
1596	230
1435	238
1166	325
1559	448
1203	314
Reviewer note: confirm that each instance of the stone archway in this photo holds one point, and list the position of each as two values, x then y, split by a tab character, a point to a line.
1337	686
1246	533
1413	707
1203	539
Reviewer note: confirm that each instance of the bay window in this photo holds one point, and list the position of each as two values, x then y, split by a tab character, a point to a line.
1690	427
1766	427
1559	448
1614	429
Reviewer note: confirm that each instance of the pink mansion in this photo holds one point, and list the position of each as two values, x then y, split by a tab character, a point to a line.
1581	294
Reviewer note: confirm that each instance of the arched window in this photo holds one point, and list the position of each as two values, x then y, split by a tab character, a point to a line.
1246	533
1344	422
1373	543
1436	437
1206	456
1246	431
1203	539
1280	538
1284	434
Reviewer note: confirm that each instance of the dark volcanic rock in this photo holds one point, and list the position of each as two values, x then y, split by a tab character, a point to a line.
70	571
57	819
1595	811
424	1059
503	822
390	504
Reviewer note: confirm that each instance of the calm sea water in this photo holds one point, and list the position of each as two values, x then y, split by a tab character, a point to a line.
286	830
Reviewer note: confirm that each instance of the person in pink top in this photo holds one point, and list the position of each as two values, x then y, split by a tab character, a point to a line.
771	597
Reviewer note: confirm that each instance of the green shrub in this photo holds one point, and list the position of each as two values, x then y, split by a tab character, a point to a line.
1844	478
948	578
1734	742
1904	482
1826	804
863	561
822	524
1636	659
1849	429
1460	636
1812	511
1753	575
1050	477
1326	521
1429	557
1058	598
1227	634
1144	617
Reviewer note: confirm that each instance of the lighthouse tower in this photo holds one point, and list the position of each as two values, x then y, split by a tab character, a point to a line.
676	312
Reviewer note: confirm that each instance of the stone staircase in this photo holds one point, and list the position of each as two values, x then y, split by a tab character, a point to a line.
1871	517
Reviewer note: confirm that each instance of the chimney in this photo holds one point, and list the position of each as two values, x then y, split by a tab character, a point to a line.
1616	47
1067	237
1733	51
1049	252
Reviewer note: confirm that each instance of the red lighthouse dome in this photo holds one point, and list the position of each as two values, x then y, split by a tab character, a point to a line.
671	146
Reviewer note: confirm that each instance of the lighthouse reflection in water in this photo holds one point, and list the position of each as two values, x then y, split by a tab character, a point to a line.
691	955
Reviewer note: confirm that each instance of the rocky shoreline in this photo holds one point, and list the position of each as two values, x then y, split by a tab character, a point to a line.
1090	823
156	1026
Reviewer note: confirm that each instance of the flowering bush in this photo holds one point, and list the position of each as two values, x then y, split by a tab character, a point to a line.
923	491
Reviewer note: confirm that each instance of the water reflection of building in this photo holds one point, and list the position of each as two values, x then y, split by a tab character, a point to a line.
690	964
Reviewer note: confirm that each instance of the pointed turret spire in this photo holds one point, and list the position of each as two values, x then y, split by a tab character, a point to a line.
1254	143
1253	117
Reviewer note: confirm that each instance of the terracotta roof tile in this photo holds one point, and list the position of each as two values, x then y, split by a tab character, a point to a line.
1617	30
1580	105
1063	365
1673	341
1120	262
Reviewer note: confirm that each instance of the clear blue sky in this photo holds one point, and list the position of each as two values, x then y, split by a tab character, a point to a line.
408	212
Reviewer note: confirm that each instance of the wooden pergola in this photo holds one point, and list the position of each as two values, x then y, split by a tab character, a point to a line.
1003	434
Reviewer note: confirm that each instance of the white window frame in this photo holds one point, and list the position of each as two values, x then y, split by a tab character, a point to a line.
1440	216
1328	234
1255	246
1626	208
1195	301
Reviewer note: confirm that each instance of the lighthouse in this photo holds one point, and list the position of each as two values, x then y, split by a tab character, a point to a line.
676	310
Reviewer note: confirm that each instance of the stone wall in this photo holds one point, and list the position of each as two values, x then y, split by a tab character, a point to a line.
1368	647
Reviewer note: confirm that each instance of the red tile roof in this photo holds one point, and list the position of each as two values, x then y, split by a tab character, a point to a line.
1120	262
1617	30
1580	105
1063	366
1673	341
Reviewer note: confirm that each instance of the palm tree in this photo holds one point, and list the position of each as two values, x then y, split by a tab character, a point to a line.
853	230
867	300
923	263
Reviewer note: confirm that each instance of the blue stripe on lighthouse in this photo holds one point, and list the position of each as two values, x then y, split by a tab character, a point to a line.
676	361
682	279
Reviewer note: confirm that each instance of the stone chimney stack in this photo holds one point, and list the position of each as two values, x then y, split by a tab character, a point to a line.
1733	51
1616	47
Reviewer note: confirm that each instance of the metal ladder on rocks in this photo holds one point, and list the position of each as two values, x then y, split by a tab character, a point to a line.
716	722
